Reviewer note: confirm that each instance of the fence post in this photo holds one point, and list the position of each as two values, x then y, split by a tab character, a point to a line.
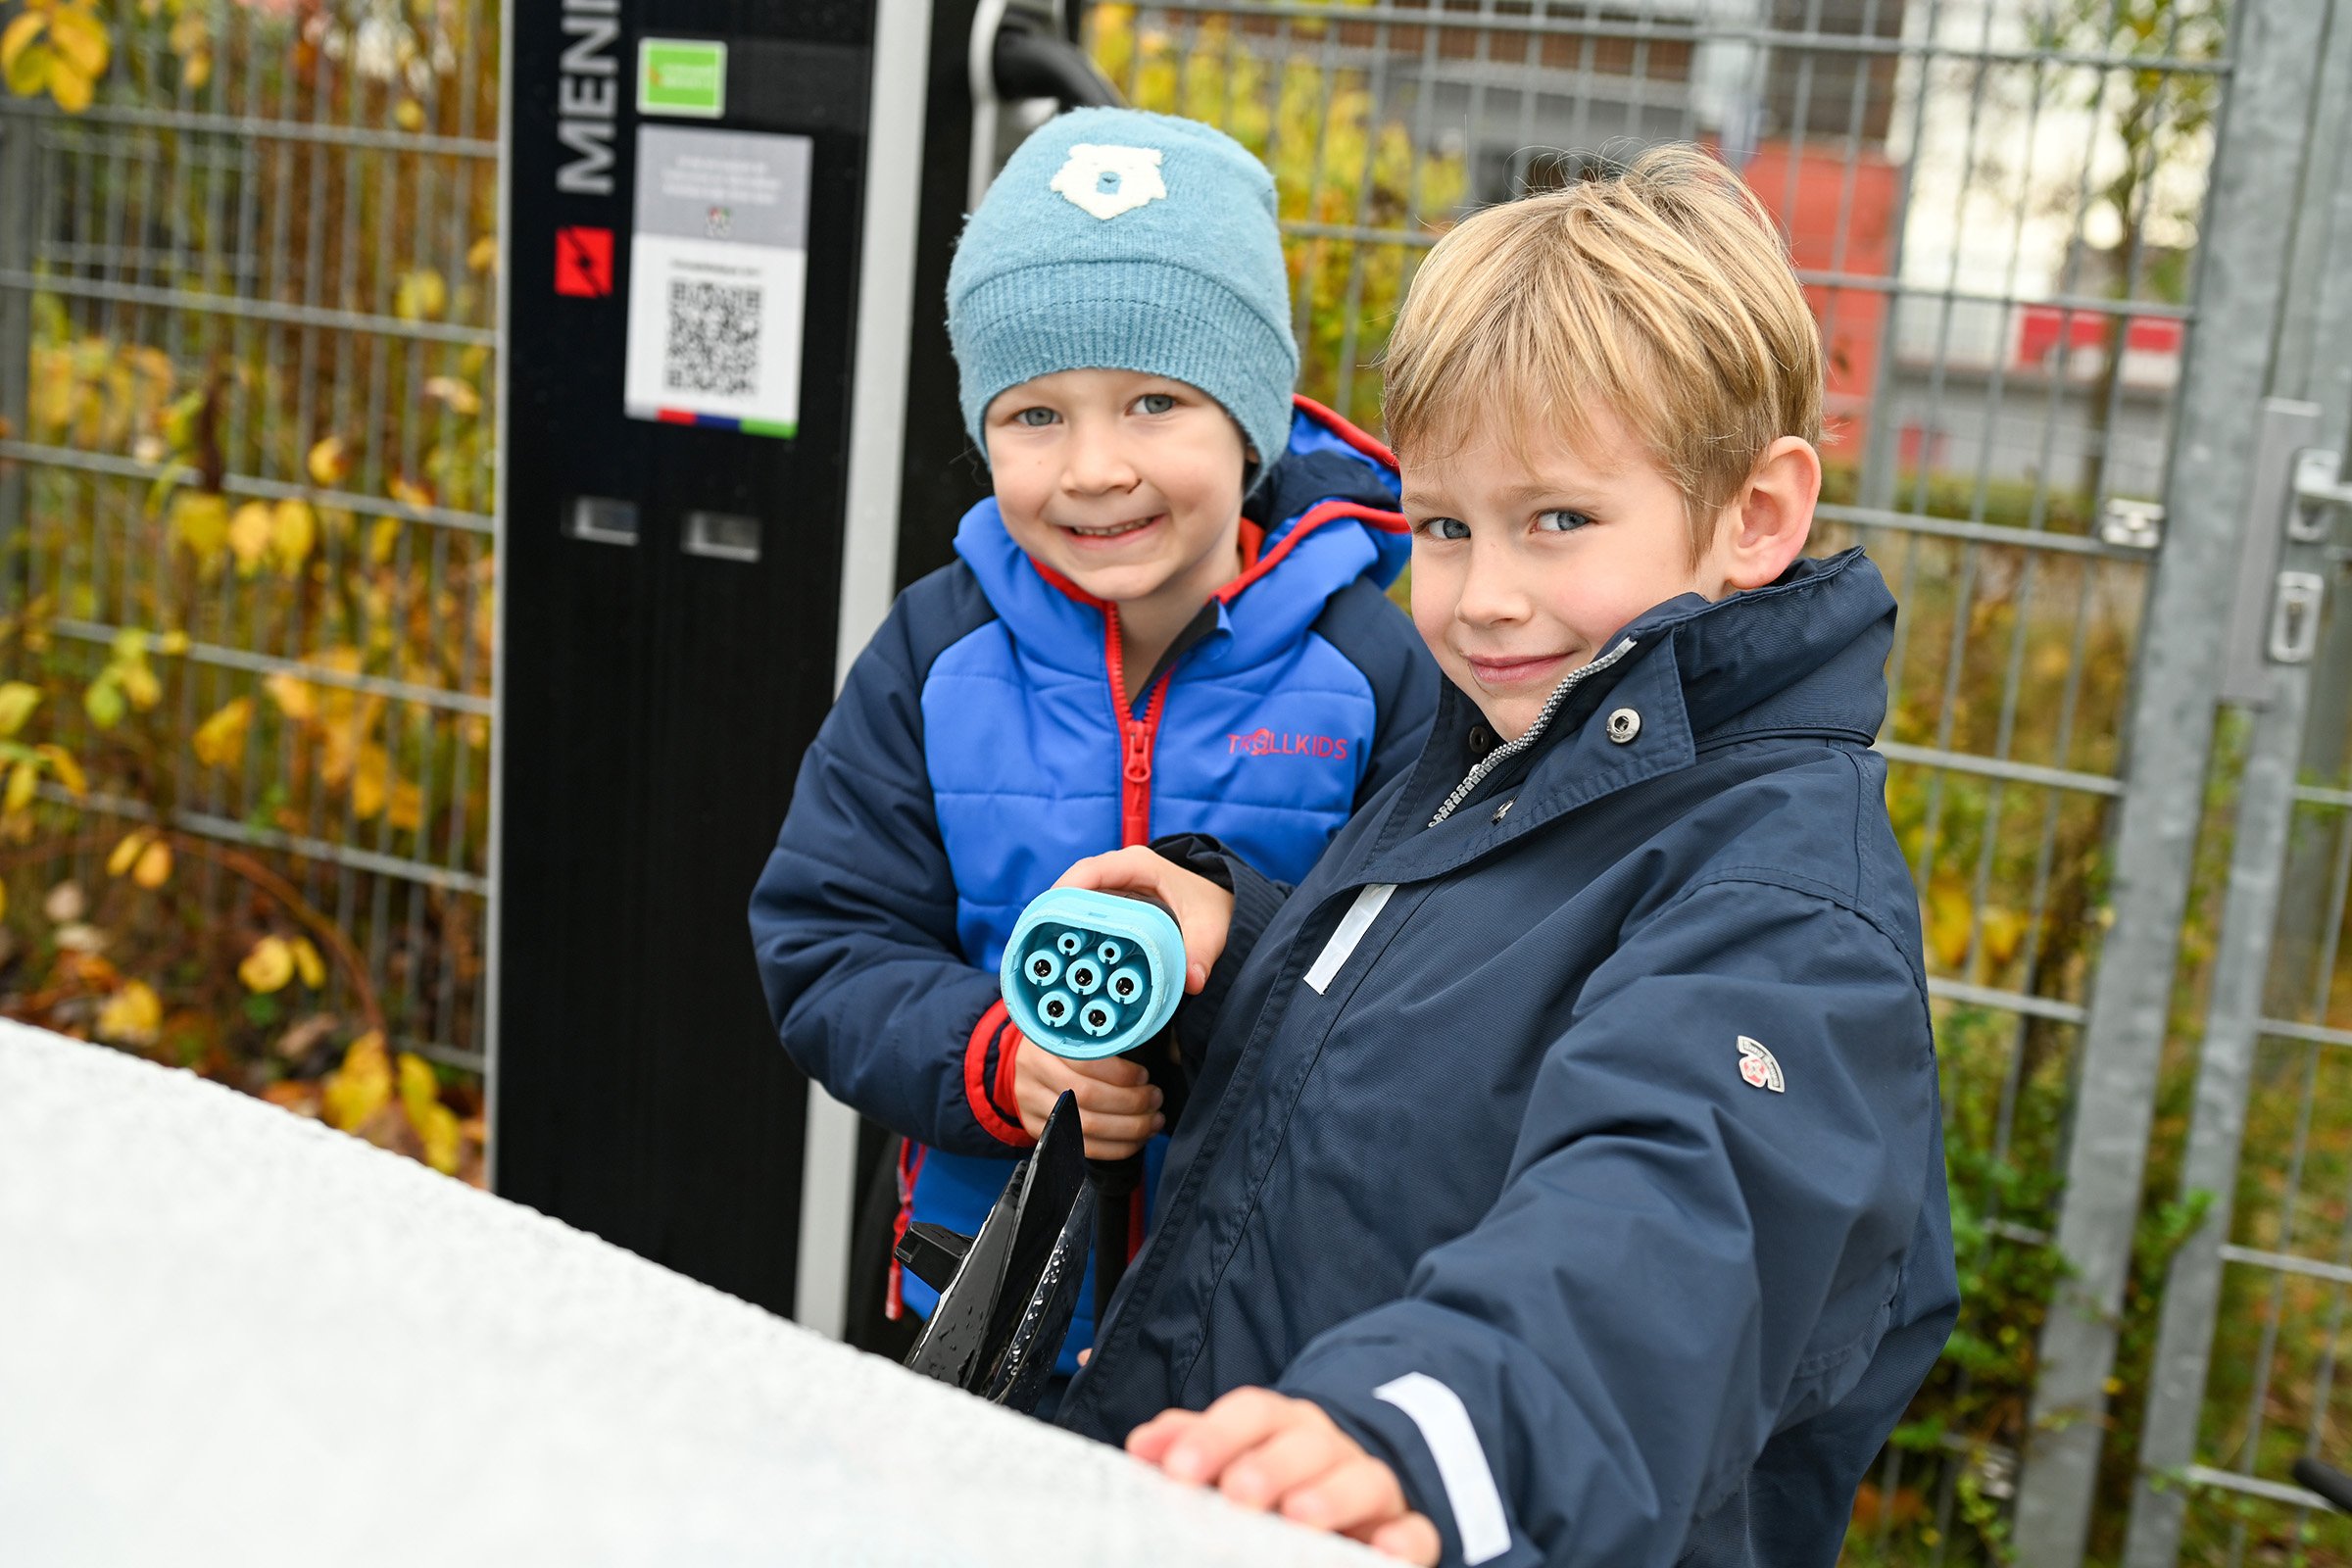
18	207
2264	907
2240	282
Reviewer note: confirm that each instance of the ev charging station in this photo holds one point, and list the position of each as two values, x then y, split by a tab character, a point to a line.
727	381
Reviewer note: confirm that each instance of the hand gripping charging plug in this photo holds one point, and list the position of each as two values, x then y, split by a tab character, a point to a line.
1085	976
1089	975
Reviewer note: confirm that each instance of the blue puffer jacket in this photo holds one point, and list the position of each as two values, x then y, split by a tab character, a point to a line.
980	745
1670	1250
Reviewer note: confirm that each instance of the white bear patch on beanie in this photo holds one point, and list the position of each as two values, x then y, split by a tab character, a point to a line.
1104	181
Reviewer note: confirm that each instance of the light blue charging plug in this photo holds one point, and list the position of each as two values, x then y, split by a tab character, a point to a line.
1067	1008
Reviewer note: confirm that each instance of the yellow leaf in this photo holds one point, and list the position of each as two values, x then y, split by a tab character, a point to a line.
132	1015
268	966
293	532
141	685
201	519
23	781
370	780
173	642
435	1123
1947	912
419	294
16	703
103	702
69	771
383	538
80	39
406	490
329	461
438	1130
409	115
417	1088
483	255
338	750
2005	930
155	865
249	535
295	697
196	69
126	853
70	84
308	964
15	41
53	387
28	73
361	1087
460	396
406	808
220	740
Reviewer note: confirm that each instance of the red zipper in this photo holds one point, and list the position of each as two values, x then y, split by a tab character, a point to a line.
1136	736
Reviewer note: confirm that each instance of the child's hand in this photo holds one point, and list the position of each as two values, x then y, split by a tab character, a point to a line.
1204	910
1119	1109
1270	1453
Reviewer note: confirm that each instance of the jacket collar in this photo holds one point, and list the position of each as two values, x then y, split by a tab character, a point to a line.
1328	516
1803	657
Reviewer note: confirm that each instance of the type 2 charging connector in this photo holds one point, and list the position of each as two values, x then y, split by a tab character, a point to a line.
1090	974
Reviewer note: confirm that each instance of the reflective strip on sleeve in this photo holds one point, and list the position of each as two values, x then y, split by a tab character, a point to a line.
1453	1441
1353	926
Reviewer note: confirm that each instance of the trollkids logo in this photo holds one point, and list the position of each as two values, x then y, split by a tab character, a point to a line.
1277	742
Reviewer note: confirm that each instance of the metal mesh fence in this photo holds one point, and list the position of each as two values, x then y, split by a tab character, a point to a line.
252	290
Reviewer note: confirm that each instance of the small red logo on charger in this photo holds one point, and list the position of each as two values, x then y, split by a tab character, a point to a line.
584	263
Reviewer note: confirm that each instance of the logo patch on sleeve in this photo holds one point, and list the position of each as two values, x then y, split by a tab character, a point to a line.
1759	1067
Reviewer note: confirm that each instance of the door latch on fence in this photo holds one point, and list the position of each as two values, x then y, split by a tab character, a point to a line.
2291	506
2319	489
2295	611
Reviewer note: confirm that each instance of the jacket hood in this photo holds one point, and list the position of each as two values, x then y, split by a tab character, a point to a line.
1806	655
1328	516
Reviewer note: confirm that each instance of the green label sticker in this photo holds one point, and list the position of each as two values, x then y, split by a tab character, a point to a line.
682	76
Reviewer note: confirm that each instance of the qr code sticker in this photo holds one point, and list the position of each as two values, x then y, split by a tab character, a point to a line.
714	339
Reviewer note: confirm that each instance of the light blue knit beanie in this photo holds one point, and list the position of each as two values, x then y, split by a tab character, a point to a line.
1116	239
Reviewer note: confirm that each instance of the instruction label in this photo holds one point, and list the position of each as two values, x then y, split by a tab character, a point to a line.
717	279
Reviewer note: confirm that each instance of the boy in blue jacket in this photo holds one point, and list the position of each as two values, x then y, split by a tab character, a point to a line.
1563	1179
1169	617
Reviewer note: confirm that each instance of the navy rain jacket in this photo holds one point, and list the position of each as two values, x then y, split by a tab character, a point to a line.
1570	1134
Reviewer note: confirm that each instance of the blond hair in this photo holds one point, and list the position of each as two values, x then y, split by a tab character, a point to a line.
1662	293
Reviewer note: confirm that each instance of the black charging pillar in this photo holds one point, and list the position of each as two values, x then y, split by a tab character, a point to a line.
669	578
727	225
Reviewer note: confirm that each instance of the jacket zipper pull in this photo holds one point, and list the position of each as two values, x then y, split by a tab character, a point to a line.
1139	754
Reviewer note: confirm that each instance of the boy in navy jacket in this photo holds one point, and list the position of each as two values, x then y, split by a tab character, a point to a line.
1562	1178
1169	617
